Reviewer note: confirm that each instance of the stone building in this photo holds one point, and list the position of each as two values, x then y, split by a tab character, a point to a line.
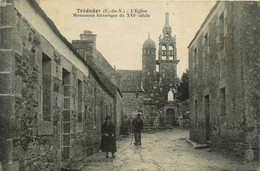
157	81
224	79
86	47
132	91
53	98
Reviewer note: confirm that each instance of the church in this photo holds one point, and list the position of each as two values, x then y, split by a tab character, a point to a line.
152	90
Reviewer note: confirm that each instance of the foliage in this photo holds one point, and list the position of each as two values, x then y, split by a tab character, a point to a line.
183	87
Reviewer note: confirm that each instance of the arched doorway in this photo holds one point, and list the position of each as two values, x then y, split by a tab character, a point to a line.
170	117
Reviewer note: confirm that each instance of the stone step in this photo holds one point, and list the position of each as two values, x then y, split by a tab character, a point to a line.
93	161
197	145
201	146
208	149
159	127
99	160
70	169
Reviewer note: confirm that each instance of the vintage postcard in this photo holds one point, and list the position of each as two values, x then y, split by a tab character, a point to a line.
129	85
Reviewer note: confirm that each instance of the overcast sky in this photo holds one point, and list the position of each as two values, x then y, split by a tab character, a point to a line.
120	40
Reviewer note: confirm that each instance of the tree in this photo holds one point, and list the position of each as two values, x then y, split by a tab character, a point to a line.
183	87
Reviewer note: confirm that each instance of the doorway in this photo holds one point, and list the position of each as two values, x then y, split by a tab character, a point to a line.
207	118
170	117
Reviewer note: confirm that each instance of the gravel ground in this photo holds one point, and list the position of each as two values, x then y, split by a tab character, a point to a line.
164	150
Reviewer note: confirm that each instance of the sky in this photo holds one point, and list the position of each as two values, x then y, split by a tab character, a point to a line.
120	40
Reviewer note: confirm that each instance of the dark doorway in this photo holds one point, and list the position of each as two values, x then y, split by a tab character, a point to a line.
170	117
207	118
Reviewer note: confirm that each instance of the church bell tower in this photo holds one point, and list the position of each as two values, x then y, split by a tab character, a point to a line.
167	59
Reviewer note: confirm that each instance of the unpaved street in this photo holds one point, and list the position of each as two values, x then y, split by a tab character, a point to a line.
164	150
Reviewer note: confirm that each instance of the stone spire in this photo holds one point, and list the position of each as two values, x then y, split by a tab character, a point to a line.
167	19
167	30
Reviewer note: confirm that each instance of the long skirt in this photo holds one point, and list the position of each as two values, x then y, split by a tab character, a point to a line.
108	144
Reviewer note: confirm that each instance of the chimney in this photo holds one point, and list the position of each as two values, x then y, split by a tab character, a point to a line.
89	36
86	46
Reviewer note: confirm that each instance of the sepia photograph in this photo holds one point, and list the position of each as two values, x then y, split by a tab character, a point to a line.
129	85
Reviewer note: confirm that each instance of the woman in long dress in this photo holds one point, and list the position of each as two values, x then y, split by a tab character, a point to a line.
108	139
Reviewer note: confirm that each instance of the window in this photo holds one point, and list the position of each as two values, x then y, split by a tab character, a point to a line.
196	59
171	50
167	37
206	39
46	87
206	45
223	101
79	101
164	52
221	32
66	88
195	62
205	51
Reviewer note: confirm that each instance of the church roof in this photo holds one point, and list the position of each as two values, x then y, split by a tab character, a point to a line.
149	43
131	80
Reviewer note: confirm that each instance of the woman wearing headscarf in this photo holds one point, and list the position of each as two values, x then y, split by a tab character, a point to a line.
108	139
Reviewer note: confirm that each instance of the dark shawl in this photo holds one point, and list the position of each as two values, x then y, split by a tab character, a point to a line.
108	143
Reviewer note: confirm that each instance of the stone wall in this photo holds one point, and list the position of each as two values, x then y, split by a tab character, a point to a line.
132	103
223	61
85	139
183	116
51	109
86	47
